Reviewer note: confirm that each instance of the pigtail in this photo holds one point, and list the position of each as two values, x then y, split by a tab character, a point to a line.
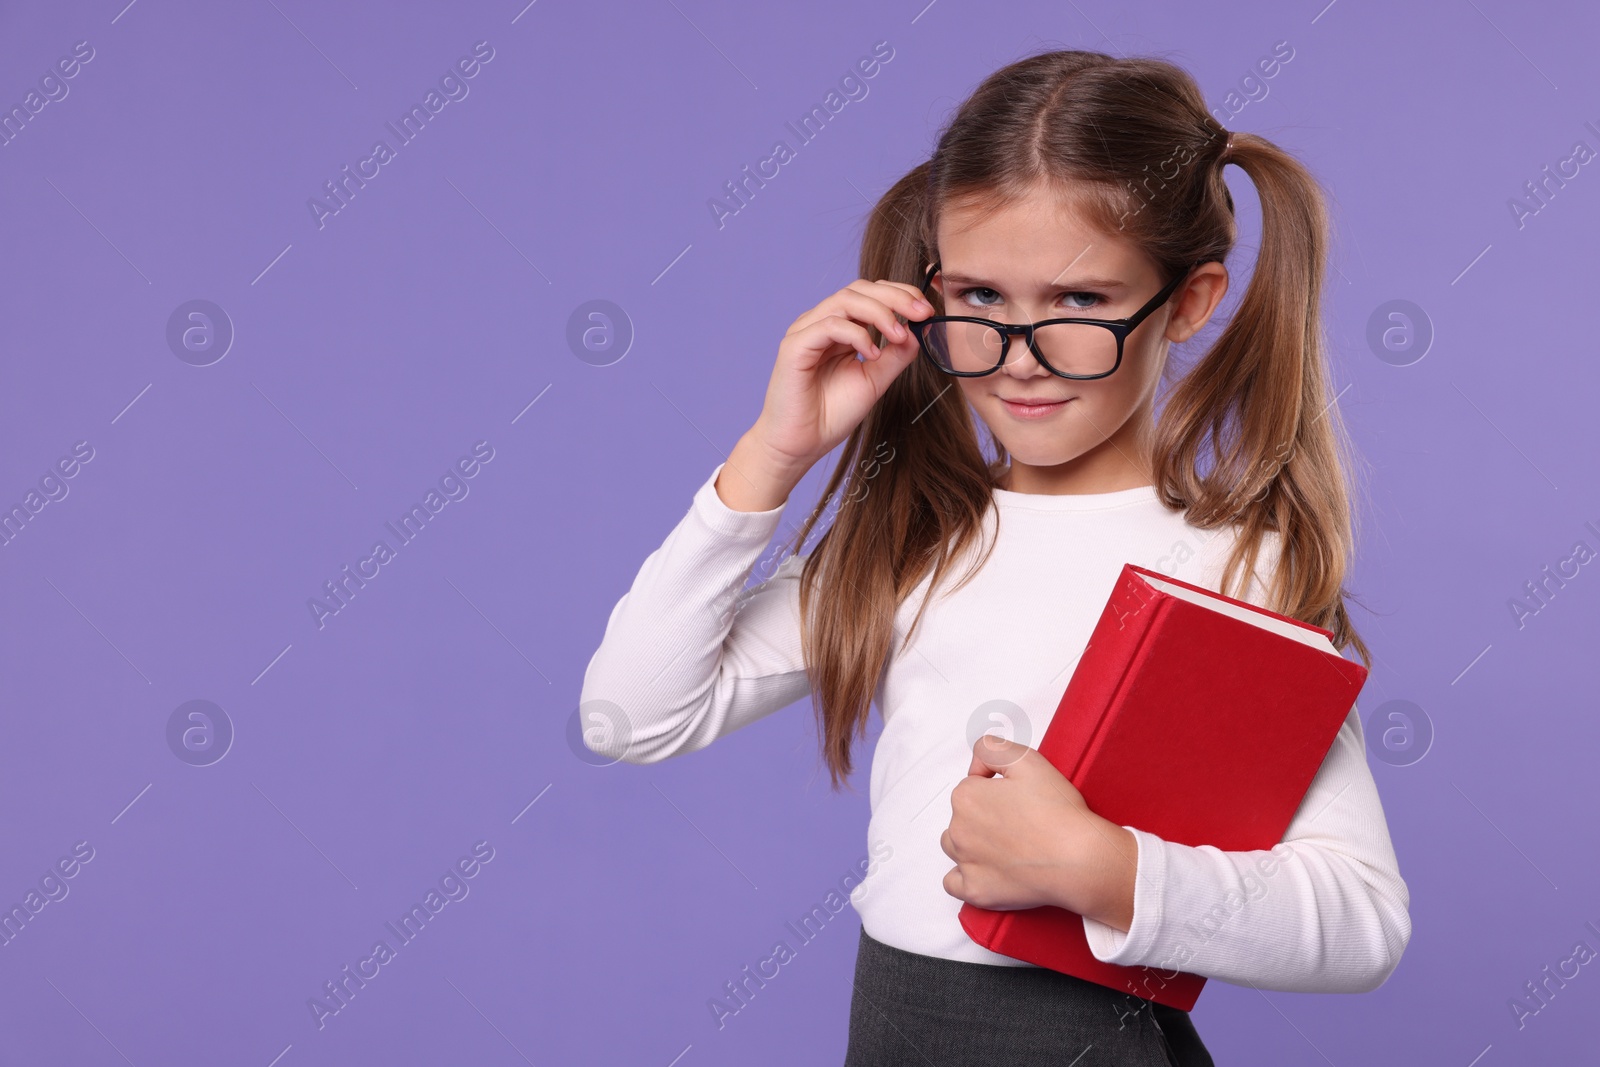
1251	434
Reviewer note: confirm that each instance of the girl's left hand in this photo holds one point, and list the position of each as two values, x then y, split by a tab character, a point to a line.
1027	837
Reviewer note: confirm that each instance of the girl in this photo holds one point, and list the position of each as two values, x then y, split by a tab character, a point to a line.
1071	185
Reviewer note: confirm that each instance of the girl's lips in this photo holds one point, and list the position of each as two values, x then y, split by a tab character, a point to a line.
1033	411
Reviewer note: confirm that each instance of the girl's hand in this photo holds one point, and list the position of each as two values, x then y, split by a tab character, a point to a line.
1028	838
819	391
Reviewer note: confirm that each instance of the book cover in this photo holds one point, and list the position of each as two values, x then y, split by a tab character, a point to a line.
1194	716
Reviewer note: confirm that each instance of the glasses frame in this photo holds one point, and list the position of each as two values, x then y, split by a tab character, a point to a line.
1120	328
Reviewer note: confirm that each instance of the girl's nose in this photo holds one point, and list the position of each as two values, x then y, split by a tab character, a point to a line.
1020	360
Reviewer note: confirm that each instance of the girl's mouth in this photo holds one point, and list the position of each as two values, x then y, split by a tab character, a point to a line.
1033	411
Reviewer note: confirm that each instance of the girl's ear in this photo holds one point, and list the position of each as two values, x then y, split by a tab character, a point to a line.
1197	302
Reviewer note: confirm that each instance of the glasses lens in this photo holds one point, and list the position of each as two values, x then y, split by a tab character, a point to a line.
1074	348
963	347
1071	348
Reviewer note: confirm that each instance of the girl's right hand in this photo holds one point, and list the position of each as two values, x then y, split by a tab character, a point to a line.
820	391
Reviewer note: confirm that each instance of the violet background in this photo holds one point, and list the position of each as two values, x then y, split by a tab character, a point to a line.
432	312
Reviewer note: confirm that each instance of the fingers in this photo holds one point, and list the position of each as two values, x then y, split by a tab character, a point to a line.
875	304
818	337
905	299
861	308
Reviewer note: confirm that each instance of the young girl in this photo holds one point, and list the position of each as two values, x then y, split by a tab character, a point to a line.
1071	185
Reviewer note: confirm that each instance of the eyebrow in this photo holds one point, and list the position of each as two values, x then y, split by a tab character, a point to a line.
1074	283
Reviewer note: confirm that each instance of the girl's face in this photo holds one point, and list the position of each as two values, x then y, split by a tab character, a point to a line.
1036	259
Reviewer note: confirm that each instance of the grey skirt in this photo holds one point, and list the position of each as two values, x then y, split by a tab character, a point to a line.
919	1010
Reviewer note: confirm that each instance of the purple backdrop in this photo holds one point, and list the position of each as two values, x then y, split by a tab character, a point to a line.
219	395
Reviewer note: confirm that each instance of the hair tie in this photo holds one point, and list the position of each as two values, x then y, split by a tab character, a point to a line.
1227	151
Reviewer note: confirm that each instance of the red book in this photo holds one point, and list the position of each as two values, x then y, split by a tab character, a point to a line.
1196	717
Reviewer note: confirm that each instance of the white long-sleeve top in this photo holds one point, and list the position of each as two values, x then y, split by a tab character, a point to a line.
689	655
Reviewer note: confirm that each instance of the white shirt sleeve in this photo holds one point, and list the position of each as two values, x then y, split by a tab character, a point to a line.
1325	911
688	653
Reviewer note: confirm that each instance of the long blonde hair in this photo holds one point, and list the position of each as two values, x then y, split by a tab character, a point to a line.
1132	143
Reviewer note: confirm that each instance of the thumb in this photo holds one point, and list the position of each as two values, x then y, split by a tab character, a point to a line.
894	357
993	754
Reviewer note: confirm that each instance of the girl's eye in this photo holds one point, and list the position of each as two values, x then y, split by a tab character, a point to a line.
1091	300
1069	300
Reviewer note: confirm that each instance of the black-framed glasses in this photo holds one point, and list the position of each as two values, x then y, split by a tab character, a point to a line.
970	347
